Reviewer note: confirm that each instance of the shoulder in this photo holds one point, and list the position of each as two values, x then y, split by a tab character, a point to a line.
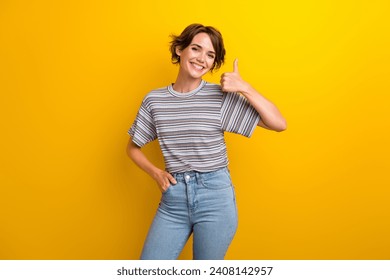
211	91
154	95
210	87
216	88
157	92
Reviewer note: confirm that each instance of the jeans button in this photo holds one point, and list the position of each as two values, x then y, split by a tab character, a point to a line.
187	177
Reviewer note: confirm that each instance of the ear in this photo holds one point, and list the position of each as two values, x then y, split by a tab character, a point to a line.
178	51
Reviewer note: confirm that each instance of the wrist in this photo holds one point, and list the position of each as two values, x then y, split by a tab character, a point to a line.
247	89
154	172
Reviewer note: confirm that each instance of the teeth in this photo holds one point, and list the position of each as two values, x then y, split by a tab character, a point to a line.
197	66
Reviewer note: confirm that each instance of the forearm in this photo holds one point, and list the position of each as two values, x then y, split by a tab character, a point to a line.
269	113
163	178
139	158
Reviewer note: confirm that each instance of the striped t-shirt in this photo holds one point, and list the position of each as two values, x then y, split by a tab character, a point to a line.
190	126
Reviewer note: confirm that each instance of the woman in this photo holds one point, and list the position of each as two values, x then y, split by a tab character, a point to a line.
189	118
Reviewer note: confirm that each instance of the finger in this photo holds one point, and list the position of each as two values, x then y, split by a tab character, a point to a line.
162	186
223	86
171	179
235	66
166	184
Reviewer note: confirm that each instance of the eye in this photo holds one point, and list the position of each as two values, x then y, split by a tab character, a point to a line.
211	56
194	48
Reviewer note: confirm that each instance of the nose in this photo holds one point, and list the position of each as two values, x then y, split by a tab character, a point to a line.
200	57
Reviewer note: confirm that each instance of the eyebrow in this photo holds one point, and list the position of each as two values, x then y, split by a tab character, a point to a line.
199	46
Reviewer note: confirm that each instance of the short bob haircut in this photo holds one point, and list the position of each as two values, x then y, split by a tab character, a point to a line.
185	38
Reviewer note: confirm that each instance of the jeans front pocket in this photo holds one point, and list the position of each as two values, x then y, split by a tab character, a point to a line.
217	180
167	190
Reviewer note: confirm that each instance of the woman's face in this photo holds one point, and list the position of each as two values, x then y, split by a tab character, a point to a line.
198	57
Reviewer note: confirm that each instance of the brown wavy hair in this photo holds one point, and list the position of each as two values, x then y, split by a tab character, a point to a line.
185	38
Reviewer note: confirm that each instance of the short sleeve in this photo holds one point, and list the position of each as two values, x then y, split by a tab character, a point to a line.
238	115
143	129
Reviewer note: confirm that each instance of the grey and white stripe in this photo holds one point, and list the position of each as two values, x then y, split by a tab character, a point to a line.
190	126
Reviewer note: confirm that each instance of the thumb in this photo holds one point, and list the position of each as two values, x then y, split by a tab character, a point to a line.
172	179
235	66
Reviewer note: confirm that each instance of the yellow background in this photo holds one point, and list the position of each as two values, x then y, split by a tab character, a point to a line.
73	74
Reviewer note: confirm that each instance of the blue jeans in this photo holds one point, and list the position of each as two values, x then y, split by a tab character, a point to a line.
200	203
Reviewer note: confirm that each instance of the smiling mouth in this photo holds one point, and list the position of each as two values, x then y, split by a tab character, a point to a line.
197	66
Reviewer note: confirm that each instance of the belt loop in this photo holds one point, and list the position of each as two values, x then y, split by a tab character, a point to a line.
197	177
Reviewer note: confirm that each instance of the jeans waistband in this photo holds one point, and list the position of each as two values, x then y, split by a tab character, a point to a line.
179	176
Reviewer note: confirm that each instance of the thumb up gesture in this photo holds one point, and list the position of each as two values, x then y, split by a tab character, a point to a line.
232	81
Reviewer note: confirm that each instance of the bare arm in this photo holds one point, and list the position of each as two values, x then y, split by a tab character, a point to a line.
270	116
163	178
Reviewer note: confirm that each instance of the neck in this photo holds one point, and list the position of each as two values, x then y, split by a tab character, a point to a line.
186	84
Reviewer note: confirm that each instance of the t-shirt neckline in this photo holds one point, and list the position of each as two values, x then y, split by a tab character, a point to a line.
186	94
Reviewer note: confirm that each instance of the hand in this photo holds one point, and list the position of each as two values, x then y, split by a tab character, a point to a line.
232	81
163	179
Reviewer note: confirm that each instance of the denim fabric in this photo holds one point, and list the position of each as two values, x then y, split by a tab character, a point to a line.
200	203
